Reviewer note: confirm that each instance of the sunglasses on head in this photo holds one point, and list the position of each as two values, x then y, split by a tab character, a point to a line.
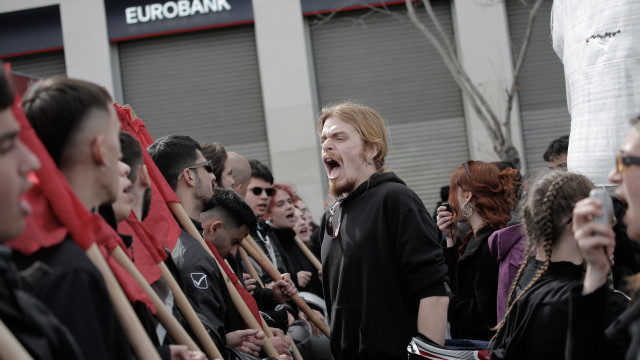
466	167
207	165
256	190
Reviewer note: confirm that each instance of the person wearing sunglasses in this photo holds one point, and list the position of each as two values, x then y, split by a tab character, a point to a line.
259	193
382	267
588	336
216	153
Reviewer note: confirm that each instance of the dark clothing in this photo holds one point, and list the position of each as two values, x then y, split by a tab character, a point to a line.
537	326
76	294
41	334
267	239
384	260
299	260
205	288
474	279
591	337
626	252
316	242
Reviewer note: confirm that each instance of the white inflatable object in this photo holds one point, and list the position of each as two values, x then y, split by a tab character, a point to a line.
598	42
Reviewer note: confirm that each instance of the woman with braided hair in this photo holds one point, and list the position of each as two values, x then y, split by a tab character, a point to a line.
483	196
536	321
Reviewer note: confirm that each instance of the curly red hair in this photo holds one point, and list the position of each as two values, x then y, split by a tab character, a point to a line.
493	190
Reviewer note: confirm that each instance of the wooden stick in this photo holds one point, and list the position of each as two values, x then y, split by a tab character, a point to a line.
142	345
307	252
243	309
11	347
190	315
252	270
163	314
296	352
275	275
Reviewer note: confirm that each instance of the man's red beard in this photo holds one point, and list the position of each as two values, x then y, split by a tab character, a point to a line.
336	190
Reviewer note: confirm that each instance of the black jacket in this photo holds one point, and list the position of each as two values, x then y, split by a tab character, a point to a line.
205	288
474	280
299	260
41	334
284	265
76	294
537	326
600	327
384	260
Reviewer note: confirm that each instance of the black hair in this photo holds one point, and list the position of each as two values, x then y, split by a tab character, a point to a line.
260	171
173	153
218	156
58	107
556	148
230	205
6	94
131	153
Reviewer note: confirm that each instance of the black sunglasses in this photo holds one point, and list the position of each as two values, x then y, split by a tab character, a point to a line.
256	190
334	217
207	165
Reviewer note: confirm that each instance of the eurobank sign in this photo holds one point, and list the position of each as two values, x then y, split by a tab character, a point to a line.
131	19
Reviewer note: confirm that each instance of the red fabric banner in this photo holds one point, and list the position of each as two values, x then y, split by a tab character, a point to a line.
58	213
248	299
160	219
147	253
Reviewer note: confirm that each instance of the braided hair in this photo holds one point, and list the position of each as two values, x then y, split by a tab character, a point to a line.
545	208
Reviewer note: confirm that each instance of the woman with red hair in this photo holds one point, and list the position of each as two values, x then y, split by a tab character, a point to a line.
281	215
482	196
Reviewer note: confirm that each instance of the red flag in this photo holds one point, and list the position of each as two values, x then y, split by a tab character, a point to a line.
147	253
248	299
160	218
57	212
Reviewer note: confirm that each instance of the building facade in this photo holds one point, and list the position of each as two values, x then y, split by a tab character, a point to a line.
253	75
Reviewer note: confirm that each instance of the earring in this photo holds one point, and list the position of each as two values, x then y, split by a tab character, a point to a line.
103	168
369	161
467	209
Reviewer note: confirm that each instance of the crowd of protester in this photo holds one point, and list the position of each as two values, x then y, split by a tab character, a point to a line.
518	264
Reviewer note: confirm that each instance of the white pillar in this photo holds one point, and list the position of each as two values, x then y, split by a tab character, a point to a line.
285	76
87	51
484	48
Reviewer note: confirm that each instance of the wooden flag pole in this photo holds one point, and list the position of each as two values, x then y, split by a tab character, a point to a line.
252	270
142	345
307	252
275	275
11	347
163	314
247	316
190	315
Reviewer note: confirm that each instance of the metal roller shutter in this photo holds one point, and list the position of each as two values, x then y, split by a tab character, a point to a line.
389	65
41	65
202	84
543	102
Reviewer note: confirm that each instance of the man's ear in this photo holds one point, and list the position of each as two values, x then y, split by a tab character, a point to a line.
143	176
370	151
216	226
98	151
189	177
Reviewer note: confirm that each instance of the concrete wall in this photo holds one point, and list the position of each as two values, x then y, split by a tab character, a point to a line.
285	76
484	48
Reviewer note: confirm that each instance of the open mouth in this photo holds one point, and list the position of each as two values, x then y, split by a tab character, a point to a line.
304	231
333	167
290	216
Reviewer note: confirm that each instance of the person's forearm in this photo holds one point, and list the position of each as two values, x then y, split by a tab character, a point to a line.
432	318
